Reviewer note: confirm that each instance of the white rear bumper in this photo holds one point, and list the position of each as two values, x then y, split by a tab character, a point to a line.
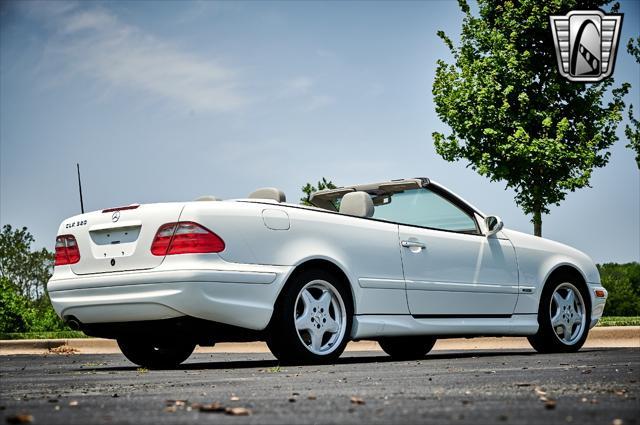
238	298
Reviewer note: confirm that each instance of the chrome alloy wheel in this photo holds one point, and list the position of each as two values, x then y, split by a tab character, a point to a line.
320	317
567	311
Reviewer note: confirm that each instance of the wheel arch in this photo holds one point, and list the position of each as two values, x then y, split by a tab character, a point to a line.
322	263
567	269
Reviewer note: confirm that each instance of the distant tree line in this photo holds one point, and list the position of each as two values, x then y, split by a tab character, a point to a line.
623	283
24	303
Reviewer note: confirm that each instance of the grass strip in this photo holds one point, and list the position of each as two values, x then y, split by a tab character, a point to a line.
44	335
619	321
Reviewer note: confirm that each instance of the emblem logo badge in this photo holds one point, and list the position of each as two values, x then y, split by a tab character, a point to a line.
115	216
586	44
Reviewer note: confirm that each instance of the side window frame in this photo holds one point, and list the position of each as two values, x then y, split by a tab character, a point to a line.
464	208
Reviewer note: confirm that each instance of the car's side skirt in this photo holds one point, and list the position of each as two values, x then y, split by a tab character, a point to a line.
372	326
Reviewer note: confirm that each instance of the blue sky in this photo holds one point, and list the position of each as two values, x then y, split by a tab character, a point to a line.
168	101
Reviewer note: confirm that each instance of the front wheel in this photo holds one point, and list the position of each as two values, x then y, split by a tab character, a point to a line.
156	355
407	348
563	317
312	319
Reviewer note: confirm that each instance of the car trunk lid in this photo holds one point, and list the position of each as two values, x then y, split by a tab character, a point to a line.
119	239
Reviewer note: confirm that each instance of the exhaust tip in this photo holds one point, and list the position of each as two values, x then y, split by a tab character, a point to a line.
73	323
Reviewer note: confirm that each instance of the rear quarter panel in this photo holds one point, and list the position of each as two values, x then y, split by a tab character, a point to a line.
360	248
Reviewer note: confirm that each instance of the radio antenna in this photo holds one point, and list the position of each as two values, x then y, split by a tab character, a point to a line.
80	188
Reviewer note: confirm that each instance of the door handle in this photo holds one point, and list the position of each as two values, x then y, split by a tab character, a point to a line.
413	244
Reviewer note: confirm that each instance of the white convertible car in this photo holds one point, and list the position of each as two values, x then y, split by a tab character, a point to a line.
402	262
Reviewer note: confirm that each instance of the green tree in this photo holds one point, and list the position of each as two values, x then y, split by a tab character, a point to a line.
632	131
13	308
24	303
623	284
512	116
28	270
308	189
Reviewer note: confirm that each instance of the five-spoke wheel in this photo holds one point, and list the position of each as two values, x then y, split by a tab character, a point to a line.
563	317
567	313
320	316
312	318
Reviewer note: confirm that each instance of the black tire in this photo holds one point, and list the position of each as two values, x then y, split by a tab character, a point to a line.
547	339
154	355
407	347
291	346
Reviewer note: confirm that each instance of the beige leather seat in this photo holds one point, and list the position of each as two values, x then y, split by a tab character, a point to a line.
269	193
358	204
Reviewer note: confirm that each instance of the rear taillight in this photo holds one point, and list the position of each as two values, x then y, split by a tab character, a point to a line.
185	237
67	251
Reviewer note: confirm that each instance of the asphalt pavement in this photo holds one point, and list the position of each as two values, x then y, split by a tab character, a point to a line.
593	386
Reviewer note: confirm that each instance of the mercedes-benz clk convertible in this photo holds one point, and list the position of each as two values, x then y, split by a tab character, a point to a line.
401	262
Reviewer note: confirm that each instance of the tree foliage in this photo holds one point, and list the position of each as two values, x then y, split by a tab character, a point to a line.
308	189
623	284
24	304
632	130
512	116
28	270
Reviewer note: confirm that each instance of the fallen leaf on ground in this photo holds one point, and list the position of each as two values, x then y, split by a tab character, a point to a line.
238	411
539	391
213	407
20	419
170	409
357	400
550	404
312	397
63	349
73	403
234	398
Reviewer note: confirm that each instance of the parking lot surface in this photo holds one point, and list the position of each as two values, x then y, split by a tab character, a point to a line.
593	386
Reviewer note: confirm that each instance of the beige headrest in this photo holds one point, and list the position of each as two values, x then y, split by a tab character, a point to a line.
358	204
207	198
269	193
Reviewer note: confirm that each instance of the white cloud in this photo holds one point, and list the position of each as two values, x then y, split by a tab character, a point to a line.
301	89
96	43
298	86
320	101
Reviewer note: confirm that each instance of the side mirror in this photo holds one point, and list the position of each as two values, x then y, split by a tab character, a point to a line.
493	224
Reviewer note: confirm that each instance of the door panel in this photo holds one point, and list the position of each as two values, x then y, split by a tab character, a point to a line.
458	274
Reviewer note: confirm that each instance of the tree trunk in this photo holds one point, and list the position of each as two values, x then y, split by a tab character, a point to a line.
537	222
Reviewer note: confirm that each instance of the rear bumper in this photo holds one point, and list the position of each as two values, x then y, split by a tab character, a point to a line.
234	297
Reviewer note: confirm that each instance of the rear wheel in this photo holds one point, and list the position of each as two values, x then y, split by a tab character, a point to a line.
563	317
312	319
156	355
407	348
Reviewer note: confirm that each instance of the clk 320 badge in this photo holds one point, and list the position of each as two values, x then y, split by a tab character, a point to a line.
76	224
